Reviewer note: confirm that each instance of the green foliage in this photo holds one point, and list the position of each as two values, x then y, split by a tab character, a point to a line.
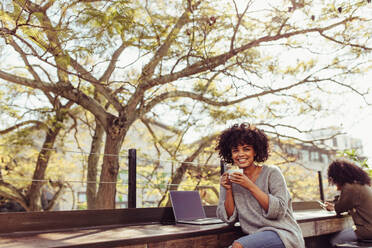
353	155
82	206
113	18
221	115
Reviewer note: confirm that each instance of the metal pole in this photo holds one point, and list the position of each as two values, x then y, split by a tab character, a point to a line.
321	186
222	166
132	174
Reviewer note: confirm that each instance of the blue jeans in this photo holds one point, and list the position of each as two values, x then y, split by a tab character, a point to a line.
264	239
344	236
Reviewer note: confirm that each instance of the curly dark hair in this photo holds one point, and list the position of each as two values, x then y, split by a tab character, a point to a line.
342	171
243	134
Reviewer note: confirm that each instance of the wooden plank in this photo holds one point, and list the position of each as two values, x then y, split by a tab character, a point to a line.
332	225
207	241
308	229
325	226
40	221
226	239
111	237
307	205
133	246
195	242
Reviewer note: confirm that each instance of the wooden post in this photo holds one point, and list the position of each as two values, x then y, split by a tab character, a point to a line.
222	166
321	186
132	178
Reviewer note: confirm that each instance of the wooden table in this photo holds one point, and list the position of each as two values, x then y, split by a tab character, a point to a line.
314	223
152	235
140	228
321	222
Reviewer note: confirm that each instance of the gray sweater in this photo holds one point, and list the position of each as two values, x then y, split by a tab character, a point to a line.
253	218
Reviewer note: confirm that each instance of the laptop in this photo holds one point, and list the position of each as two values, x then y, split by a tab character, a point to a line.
188	209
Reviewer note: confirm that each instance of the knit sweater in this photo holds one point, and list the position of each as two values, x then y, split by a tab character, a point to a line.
253	218
357	199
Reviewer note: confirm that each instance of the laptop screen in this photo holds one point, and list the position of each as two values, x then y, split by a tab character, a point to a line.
187	205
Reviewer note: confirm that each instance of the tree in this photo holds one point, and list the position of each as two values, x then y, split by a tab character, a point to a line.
29	195
216	56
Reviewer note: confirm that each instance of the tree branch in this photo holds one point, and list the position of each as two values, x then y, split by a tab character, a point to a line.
64	89
209	101
16	194
86	75
213	62
240	17
345	44
162	125
111	67
148	69
22	124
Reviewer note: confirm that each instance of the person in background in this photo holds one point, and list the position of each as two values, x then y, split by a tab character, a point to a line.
355	198
258	198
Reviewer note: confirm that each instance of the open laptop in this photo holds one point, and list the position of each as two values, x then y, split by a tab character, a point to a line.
188	209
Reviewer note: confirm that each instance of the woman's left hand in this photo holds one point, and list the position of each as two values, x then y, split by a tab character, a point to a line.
240	179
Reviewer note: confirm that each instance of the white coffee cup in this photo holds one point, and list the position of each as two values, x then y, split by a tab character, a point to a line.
231	171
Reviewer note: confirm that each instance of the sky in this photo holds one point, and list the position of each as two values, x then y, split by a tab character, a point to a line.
361	129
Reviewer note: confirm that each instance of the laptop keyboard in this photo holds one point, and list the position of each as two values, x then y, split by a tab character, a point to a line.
203	219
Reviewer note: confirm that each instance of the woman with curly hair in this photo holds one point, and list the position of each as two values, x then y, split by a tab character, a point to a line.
258	198
355	198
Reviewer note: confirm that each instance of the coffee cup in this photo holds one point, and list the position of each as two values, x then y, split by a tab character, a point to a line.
231	171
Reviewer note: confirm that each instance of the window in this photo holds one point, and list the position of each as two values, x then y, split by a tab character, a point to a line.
304	155
325	158
291	151
82	197
334	140
314	156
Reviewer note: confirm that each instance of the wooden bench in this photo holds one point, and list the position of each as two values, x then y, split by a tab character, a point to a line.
140	228
357	244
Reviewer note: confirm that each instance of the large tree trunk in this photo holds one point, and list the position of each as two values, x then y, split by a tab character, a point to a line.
114	139
93	159
33	194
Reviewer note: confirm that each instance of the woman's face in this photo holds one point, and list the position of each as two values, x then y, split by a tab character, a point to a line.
243	155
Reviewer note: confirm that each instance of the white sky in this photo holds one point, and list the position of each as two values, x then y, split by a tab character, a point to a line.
361	129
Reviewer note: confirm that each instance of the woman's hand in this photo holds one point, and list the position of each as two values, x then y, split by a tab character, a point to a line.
329	206
240	179
225	181
244	181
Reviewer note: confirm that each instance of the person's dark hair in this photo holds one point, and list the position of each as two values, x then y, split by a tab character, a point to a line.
243	134
342	171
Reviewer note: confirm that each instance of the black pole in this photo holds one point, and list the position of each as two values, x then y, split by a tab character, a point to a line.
321	186
222	166
132	173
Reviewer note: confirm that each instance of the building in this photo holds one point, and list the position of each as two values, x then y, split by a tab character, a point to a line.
323	146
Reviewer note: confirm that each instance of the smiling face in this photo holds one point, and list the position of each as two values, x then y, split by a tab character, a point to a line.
243	155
